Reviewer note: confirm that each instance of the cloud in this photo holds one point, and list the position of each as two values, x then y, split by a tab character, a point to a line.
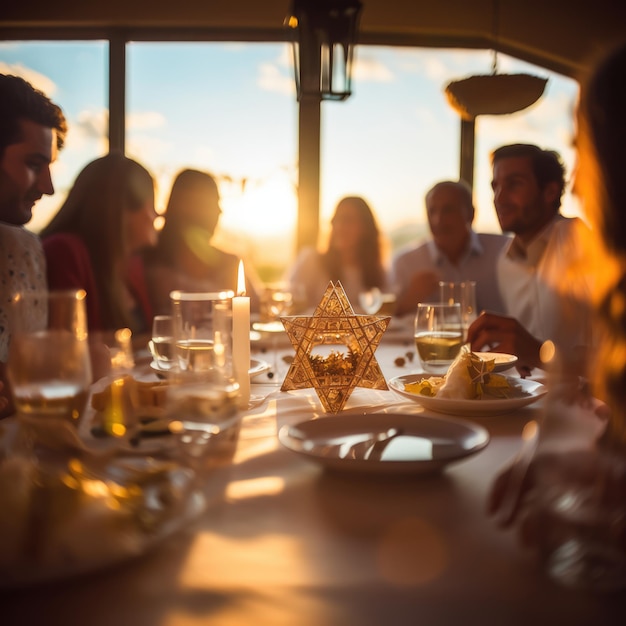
272	79
145	120
367	68
37	80
91	124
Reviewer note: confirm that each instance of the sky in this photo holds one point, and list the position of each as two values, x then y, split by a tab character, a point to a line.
230	109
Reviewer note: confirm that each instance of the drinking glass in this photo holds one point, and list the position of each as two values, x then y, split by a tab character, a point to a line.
371	300
202	334
575	511
49	368
162	342
465	294
438	335
277	301
202	398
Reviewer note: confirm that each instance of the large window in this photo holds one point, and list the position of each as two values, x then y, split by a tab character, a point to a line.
230	109
397	136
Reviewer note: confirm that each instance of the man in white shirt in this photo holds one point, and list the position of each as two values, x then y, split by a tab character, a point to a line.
32	130
455	253
542	273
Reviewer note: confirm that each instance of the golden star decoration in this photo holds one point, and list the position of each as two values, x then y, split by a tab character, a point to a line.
334	350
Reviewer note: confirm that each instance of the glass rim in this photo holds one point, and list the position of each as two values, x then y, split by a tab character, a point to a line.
77	294
438	304
199	296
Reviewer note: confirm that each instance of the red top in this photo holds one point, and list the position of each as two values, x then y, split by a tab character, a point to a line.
69	267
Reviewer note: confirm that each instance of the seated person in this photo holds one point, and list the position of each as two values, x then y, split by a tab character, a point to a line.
353	256
183	257
31	134
92	243
454	254
542	273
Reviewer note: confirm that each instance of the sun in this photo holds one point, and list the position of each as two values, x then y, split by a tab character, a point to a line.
262	208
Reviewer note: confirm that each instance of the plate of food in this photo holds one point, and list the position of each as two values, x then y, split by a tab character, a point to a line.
471	387
501	360
384	443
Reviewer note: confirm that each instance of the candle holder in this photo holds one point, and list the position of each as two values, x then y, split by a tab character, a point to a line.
334	350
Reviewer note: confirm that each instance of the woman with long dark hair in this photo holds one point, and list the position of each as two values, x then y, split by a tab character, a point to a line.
184	257
93	241
353	256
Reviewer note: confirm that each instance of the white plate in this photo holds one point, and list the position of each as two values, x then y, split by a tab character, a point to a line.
502	360
256	367
425	445
530	389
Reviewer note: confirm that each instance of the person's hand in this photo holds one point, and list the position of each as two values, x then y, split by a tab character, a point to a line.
421	287
535	509
505	334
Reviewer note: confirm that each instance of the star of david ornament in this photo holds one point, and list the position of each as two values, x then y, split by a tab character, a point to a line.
334	350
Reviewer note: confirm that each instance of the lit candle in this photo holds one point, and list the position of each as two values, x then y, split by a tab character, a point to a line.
241	338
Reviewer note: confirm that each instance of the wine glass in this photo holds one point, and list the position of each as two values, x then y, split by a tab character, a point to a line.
277	301
49	367
162	341
438	335
371	300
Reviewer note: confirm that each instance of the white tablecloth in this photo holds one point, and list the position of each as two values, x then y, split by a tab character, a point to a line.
284	542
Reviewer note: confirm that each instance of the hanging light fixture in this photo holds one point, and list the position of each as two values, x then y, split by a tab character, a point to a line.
494	94
324	35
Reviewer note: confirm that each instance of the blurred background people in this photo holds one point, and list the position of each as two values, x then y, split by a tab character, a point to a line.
183	257
32	131
93	242
455	253
353	256
543	275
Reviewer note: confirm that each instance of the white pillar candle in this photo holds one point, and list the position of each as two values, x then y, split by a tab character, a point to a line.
241	339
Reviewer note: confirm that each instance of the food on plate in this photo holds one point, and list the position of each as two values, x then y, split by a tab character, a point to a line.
469	378
128	400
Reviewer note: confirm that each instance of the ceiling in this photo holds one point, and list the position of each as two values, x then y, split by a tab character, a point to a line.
563	36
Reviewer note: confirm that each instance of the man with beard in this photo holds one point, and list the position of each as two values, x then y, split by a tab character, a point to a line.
32	131
455	253
542	274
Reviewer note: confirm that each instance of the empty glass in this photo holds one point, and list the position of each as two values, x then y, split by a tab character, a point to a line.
465	294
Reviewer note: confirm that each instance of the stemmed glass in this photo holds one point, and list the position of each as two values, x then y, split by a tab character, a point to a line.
277	301
371	300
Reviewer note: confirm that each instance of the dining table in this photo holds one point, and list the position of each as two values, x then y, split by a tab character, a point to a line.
284	540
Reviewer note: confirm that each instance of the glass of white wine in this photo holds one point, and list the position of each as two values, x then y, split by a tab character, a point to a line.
49	367
438	335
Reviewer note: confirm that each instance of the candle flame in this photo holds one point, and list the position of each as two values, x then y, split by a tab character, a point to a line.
241	280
